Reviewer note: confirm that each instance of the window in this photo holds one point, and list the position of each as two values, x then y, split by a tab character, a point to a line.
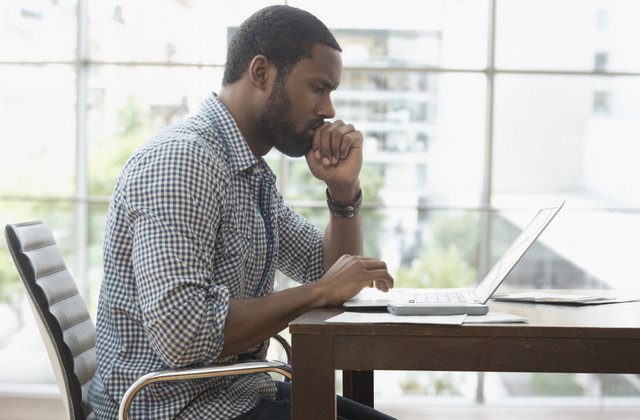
601	103
466	135
602	19
601	61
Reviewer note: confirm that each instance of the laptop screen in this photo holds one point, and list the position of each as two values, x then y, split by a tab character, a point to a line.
510	258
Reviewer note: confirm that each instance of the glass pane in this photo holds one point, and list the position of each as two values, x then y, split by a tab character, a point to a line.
167	31
555	139
434	248
38	30
37	119
575	389
571	253
435	33
96	225
416	151
23	358
129	104
421	389
570	34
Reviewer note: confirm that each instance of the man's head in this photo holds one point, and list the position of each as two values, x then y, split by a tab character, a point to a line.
304	57
283	34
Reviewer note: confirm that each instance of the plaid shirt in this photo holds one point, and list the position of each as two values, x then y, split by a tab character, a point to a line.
195	220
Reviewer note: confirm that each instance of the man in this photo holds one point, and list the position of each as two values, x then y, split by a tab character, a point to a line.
196	230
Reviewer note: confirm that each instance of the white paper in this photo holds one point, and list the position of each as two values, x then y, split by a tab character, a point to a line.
553	297
387	318
494	318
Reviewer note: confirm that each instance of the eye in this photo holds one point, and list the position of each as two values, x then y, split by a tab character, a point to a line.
317	88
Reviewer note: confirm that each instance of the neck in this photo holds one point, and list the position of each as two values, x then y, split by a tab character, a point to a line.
240	105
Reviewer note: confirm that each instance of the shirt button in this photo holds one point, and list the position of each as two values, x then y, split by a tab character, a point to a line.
255	170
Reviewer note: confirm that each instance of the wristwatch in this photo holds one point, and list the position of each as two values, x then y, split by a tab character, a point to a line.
347	210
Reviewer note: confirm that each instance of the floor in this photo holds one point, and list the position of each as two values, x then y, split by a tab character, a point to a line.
19	408
511	413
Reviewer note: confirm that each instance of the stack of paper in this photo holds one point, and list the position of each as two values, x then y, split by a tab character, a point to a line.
541	296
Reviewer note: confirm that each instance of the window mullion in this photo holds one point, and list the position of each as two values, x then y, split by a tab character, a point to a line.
80	204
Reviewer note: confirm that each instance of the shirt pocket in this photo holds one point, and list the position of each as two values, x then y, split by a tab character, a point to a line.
235	243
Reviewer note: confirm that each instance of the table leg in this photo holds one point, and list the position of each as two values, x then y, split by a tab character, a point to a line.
313	388
358	386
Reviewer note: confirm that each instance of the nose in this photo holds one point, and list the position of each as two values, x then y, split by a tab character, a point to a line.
325	109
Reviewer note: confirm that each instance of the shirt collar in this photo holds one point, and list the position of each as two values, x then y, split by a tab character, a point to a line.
241	158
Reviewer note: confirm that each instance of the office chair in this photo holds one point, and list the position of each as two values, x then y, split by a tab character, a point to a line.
70	335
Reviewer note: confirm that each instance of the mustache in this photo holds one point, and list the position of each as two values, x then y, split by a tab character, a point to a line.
315	124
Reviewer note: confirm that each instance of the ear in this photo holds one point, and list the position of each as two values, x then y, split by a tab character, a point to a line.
259	70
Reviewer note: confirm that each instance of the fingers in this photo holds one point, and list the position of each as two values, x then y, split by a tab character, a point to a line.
332	142
384	286
381	285
372	271
381	278
349	275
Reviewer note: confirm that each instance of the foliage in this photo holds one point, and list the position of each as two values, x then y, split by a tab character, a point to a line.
555	384
462	232
438	267
108	157
429	384
449	260
305	187
9	281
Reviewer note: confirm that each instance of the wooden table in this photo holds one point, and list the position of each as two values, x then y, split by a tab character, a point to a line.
586	339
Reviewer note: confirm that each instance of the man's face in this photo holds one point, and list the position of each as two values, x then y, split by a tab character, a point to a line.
278	127
300	103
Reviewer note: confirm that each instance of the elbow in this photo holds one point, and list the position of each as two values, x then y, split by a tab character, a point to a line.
196	351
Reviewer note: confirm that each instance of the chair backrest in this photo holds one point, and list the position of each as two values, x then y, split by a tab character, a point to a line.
61	313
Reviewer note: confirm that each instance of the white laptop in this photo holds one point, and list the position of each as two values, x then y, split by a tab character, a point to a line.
457	301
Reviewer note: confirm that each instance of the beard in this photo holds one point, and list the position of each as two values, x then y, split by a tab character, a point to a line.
276	124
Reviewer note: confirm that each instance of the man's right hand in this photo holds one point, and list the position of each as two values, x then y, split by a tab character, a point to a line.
349	275
252	321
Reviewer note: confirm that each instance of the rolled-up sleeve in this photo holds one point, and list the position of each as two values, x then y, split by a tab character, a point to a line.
173	196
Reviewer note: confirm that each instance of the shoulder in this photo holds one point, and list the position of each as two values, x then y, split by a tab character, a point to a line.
181	150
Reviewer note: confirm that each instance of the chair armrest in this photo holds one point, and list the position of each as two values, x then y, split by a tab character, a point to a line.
199	373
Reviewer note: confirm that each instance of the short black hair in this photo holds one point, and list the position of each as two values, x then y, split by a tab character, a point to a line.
283	34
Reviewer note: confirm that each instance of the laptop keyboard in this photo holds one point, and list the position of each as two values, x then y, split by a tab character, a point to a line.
453	297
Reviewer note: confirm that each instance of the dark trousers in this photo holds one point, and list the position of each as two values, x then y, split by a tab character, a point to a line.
280	408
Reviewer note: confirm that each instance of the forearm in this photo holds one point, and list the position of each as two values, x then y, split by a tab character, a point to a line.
343	235
252	321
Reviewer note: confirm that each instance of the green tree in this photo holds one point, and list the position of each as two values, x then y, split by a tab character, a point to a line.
429	383
301	185
449	261
107	158
556	384
438	267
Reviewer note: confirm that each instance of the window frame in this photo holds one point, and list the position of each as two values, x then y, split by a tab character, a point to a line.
81	200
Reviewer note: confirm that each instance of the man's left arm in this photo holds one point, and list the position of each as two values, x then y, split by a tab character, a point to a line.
336	159
343	234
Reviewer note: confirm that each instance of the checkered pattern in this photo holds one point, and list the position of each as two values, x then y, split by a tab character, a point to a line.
195	220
